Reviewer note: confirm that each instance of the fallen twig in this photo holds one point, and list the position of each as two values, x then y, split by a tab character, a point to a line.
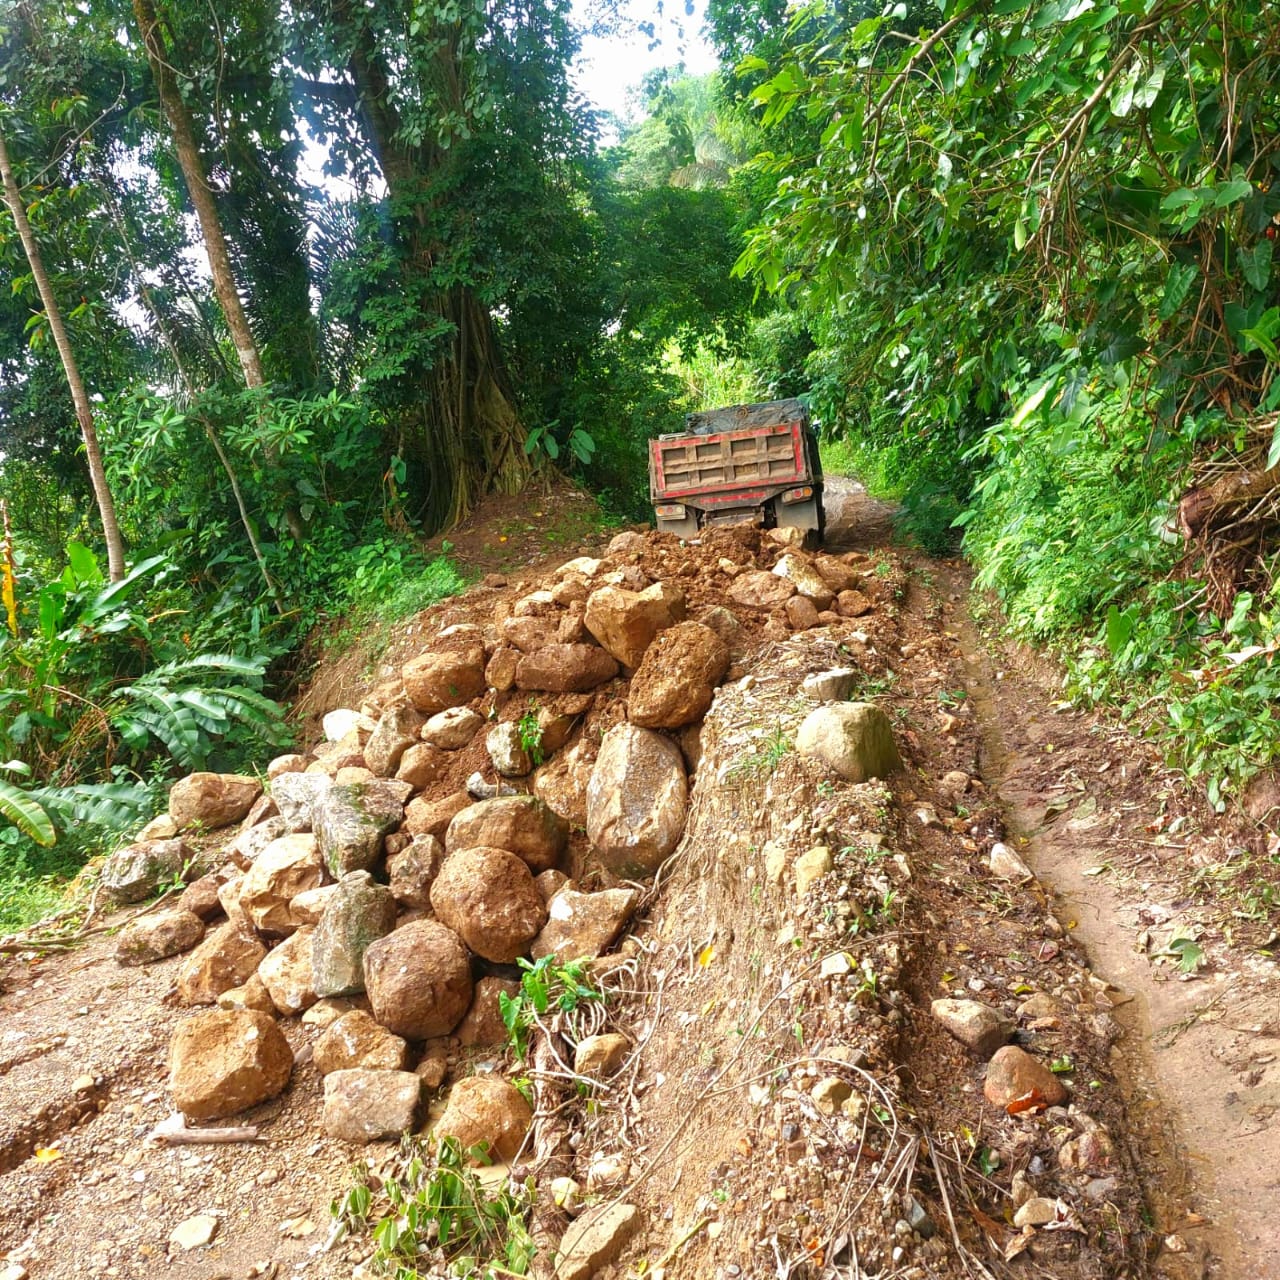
680	1244
174	1132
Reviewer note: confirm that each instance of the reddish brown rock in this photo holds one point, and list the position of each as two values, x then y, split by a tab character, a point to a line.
488	898
528	634
637	801
565	668
584	925
422	764
419	980
802	613
483	1025
285	868
424	817
522	825
156	937
212	799
356	1041
807	580
626	622
677	677
413	871
435	681
226	1060
852	604
227	958
286	972
836	574
252	995
500	673
561	784
291	763
396	731
200	897
760	589
1013	1075
488	1112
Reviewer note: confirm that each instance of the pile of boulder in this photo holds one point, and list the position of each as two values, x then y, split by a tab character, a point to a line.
382	886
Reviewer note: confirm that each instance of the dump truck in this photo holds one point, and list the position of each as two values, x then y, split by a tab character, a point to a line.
747	463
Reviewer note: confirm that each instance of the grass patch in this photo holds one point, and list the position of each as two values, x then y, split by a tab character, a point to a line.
33	880
390	595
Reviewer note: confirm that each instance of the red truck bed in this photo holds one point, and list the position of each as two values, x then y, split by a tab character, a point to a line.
751	462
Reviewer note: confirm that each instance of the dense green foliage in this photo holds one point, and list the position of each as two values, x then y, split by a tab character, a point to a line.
1032	242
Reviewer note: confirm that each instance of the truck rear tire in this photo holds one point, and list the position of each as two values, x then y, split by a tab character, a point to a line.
686	528
808	516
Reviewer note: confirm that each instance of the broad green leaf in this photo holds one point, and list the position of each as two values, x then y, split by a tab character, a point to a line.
84	564
1119	629
1256	264
1030	404
1273	454
26	814
1149	90
1179	199
1176	287
1232	193
1123	90
1122	346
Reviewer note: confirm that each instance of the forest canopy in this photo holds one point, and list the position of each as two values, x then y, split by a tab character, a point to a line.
284	288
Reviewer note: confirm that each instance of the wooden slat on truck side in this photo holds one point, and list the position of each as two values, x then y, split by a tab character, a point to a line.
706	464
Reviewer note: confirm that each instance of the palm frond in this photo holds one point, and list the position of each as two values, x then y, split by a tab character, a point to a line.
26	813
108	804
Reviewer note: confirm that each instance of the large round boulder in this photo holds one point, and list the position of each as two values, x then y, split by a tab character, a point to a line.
852	739
522	825
437	681
677	677
626	622
212	800
419	980
637	800
224	1061
488	897
487	1112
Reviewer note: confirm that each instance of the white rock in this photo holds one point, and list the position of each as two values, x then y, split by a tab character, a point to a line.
194	1232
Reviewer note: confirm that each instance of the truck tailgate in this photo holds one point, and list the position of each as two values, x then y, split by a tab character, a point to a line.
728	460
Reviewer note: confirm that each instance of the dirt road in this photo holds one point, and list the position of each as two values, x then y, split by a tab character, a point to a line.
794	1107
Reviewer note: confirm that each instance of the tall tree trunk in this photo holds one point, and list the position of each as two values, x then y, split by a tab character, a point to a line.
215	242
469	438
84	413
123	230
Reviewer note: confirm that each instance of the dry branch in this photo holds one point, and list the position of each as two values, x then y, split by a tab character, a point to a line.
174	1132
